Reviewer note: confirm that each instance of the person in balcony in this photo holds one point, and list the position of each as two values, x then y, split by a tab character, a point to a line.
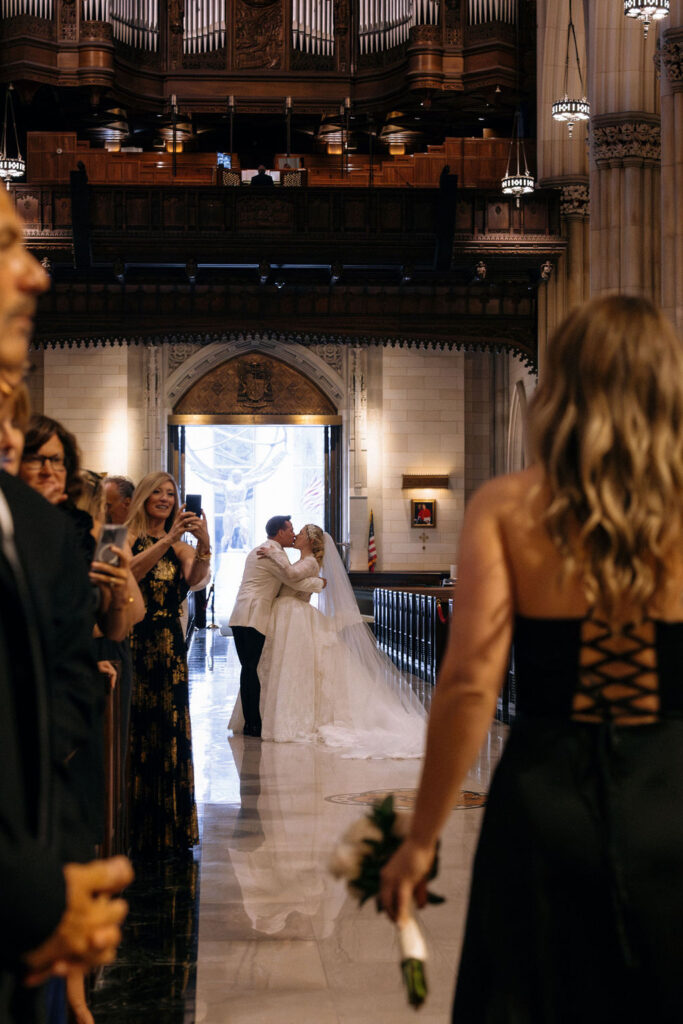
262	179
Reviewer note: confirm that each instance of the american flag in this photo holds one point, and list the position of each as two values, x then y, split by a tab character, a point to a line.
372	549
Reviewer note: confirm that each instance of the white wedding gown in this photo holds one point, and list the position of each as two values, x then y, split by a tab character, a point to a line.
320	684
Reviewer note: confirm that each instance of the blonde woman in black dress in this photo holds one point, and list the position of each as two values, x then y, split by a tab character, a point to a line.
163	815
576	906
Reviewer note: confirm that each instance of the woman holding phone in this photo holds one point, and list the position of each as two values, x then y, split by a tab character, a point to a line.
163	815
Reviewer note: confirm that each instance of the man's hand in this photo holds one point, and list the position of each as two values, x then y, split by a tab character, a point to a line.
324	581
89	931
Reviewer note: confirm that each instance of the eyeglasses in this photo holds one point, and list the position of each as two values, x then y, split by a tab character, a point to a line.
55	462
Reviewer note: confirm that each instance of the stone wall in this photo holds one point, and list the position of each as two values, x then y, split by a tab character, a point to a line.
425	411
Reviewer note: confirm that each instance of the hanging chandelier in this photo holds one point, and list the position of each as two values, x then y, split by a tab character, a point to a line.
11	167
519	182
571	111
646	11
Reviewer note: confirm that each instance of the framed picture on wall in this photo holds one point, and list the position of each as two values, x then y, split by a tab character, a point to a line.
423	512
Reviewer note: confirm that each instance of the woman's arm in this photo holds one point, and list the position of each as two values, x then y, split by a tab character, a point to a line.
290	572
121	604
301	575
193	561
147	559
465	695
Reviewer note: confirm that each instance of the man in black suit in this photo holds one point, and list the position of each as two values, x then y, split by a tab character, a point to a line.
51	915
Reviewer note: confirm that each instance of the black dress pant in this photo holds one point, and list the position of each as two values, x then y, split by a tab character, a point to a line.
249	645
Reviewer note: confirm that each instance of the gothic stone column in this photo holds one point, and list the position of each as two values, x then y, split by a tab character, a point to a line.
571	284
625	213
671	66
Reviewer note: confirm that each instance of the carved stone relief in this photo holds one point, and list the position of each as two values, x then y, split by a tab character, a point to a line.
575	201
254	383
669	57
259	35
333	355
177	354
626	137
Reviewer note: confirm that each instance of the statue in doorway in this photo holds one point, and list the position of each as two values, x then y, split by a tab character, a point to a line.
237	490
237	483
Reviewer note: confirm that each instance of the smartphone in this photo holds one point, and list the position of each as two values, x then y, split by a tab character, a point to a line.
193	503
110	534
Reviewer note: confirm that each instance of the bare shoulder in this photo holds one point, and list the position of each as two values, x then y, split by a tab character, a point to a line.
505	495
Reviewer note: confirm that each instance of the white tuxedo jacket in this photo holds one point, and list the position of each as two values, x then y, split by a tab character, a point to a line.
261	582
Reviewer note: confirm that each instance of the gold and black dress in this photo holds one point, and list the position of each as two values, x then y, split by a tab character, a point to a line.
163	814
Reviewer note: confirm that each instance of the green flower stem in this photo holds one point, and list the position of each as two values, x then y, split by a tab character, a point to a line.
415	981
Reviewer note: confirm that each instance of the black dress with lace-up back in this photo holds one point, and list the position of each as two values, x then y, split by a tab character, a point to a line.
576	906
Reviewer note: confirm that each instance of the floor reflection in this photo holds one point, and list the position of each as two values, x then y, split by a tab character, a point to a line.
279	940
154	977
153	980
256	931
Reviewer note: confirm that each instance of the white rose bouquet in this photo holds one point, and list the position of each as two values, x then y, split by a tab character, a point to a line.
360	856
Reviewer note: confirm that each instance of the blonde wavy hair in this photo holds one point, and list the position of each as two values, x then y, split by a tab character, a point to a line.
606	424
137	522
91	498
317	541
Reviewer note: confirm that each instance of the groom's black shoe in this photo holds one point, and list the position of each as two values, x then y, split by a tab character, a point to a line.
252	730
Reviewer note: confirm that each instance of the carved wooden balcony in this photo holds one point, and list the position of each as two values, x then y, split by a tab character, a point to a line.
393	227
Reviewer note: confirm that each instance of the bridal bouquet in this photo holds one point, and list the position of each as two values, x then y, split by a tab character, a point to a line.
360	856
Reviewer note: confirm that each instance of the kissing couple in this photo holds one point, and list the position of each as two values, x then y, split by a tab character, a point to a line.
315	674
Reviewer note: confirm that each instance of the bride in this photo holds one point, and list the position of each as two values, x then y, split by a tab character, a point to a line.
323	678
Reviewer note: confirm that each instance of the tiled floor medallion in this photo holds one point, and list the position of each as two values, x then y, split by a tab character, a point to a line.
404	799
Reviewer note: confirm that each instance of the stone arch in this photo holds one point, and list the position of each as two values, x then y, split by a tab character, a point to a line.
518	443
305	363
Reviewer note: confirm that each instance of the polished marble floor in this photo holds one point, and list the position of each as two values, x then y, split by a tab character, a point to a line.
257	932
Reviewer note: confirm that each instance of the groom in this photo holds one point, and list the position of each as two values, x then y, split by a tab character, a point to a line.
249	620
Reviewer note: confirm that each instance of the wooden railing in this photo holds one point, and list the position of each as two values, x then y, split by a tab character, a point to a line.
411	627
477	163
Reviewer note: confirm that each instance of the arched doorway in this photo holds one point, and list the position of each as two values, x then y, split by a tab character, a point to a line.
256	437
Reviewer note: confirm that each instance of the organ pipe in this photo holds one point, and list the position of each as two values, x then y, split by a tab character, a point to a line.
384	24
313	26
205	26
134	22
36	8
481	11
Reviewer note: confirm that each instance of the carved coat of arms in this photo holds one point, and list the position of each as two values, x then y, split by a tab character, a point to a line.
255	388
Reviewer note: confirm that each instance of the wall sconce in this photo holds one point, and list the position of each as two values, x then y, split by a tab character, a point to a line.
334	148
178	146
397	149
433	481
